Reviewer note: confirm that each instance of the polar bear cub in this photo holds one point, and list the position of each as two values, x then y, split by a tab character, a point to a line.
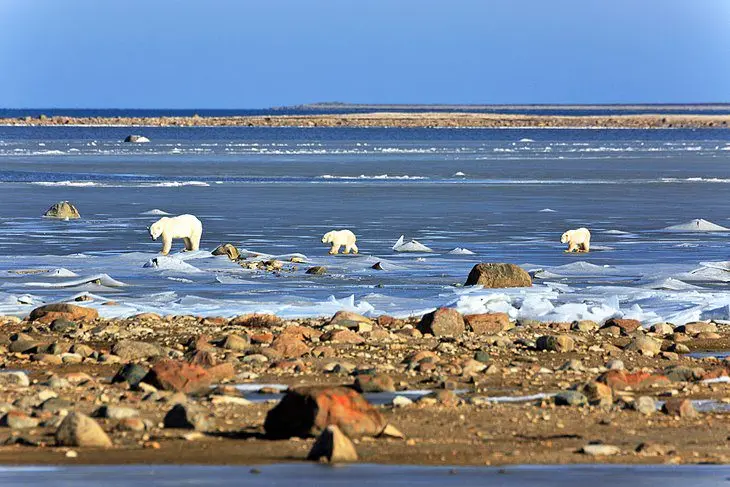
186	227
577	240
338	238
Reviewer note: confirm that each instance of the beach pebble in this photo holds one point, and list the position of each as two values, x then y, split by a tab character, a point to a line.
600	450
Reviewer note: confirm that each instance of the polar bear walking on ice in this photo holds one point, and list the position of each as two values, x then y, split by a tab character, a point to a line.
186	227
338	238
578	240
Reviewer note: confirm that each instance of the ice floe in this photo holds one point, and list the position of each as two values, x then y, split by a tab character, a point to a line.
411	246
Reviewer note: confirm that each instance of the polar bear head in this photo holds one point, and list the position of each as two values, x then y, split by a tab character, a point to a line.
566	236
327	238
157	228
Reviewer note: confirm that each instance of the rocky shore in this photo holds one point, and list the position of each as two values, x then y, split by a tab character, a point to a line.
393	119
77	388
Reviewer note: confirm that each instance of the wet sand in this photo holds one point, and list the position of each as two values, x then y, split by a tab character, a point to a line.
395	119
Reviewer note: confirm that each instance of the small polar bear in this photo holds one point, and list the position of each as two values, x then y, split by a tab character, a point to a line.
186	227
578	240
338	238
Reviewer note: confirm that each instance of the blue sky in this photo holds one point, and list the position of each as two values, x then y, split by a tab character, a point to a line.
246	54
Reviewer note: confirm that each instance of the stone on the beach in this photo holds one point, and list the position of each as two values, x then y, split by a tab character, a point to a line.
62	210
597	393
14	378
71	312
697	327
682	373
487	323
498	275
661	328
401	401
651	449
620	379
584	326
256	320
572	364
77	429
680	407
342	336
645	405
62	325
600	450
374	383
615	364
442	322
334	446
131	374
317	270
171	375
129	350
18	420
116	412
348	319
626	326
236	343
555	343
570	398
289	346
227	249
307	411
136	139
187	416
645	345
131	424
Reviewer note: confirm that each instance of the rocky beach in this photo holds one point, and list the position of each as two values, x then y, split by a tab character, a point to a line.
393	119
444	388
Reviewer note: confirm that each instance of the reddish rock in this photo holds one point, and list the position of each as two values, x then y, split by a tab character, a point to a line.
49	312
620	379
342	336
170	375
307	411
323	351
221	372
301	332
422	356
289	346
487	323
681	407
348	319
264	337
715	373
200	342
256	320
494	275
289	365
442	322
389	322
374	383
625	325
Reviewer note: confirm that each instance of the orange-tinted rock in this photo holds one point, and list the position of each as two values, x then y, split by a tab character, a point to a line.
681	407
348	319
342	336
620	379
71	312
289	346
715	373
264	337
301	332
625	325
487	323
307	411
170	375
497	275
442	322
389	322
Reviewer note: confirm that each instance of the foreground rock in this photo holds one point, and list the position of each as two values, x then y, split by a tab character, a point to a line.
171	375
80	430
491	275
307	411
62	210
50	312
333	446
442	322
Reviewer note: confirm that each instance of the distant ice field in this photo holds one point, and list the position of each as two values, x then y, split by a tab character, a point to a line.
655	201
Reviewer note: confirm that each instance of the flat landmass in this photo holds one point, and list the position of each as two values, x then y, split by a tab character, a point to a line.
415	119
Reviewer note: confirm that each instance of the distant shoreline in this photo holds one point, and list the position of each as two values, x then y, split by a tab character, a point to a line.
395	120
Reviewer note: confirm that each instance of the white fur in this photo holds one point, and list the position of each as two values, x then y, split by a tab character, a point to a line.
338	238
578	240
186	227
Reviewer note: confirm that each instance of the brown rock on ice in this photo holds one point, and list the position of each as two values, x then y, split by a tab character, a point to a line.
80	430
498	275
307	411
334	446
62	210
71	312
625	325
487	323
227	249
442	322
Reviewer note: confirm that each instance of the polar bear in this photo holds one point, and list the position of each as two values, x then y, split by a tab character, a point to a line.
186	227
338	238
577	240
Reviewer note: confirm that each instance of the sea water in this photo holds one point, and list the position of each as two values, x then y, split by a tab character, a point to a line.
654	200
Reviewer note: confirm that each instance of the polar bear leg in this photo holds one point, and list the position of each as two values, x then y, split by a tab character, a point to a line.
587	246
195	239
347	249
166	245
572	247
354	248
335	249
188	245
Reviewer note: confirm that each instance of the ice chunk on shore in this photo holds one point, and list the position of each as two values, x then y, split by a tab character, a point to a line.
166	263
61	272
461	251
670	284
696	225
526	140
459	174
412	246
547	210
97	279
155	212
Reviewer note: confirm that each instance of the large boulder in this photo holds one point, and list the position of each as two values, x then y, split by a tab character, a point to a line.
77	429
136	350
487	323
307	411
63	210
442	322
136	139
495	275
171	375
50	312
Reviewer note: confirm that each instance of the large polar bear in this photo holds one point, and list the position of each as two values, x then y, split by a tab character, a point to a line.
577	240
338	238
186	227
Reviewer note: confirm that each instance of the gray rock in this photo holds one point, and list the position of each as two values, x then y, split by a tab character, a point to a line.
116	412
555	343
62	210
645	405
131	373
19	420
333	445
615	364
600	450
135	350
14	379
570	398
80	430
186	416
645	345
